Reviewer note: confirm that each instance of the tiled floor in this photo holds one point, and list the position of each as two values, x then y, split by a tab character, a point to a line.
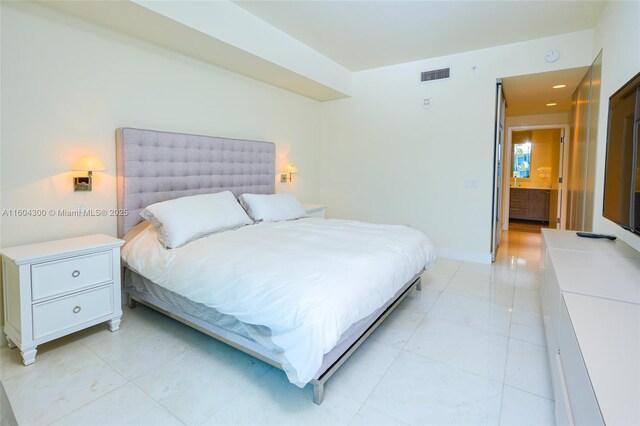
467	349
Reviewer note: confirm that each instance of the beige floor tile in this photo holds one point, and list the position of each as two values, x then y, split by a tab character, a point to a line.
527	299
272	400
127	405
399	326
500	294
469	349
60	384
202	380
368	416
521	408
11	362
527	326
420	391
446	266
419	300
143	345
362	372
528	368
436	281
472	313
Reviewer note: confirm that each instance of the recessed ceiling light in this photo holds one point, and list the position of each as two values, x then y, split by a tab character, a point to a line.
559	86
552	104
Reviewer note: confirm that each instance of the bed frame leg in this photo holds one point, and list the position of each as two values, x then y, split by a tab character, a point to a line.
419	285
132	303
318	392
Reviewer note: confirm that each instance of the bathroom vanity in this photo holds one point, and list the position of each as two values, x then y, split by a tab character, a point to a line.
529	204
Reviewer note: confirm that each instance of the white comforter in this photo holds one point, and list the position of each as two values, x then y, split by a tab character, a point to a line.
307	280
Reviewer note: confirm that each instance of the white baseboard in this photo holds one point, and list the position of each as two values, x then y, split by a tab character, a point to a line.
3	338
467	256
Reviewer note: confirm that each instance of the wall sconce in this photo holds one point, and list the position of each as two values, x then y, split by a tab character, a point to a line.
288	173
86	164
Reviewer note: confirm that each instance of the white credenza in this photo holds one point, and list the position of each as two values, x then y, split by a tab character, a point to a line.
591	309
314	210
59	287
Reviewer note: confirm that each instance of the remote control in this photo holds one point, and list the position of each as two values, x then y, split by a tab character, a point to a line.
592	235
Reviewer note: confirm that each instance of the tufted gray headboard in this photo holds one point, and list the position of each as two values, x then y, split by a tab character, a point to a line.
156	166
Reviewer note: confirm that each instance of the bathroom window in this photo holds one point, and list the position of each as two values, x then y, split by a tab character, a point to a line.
522	160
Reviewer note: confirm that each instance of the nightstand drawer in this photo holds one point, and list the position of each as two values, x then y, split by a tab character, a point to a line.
66	275
59	314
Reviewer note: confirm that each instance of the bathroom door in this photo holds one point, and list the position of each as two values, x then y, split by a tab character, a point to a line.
497	168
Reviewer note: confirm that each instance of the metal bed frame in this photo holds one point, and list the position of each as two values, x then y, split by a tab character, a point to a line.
255	349
155	166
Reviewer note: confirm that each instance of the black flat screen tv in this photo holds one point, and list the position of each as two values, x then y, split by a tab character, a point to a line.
622	168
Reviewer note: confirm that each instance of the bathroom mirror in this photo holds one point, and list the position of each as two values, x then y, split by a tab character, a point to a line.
522	160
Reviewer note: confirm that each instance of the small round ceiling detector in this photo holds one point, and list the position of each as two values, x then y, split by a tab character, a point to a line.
552	56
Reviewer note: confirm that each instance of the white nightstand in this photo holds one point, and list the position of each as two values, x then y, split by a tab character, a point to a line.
314	210
59	287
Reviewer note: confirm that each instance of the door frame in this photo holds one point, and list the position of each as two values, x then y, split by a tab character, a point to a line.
562	187
498	167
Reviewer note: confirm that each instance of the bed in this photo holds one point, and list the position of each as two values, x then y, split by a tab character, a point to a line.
301	295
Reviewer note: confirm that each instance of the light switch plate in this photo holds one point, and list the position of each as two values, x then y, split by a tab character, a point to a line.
470	184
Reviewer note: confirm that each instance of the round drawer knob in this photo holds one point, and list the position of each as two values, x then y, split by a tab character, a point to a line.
75	273
77	309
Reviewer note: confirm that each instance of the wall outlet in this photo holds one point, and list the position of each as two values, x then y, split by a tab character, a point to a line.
470	184
82	208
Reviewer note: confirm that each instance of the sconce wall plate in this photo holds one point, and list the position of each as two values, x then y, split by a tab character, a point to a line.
82	183
285	177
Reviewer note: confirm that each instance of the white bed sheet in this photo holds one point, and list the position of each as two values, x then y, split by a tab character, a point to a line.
307	280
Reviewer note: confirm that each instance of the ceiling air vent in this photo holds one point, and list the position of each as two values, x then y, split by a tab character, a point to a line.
435	74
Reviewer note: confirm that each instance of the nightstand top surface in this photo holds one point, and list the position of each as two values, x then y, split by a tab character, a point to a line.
30	253
309	207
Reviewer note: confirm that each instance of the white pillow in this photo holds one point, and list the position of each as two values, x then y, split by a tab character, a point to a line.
185	219
272	208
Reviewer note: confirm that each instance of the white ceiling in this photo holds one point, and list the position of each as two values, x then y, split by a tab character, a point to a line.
368	34
529	94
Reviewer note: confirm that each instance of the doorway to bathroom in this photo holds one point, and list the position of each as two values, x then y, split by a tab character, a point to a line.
534	162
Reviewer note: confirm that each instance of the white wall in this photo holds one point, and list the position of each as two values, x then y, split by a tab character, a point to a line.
66	87
384	158
618	35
